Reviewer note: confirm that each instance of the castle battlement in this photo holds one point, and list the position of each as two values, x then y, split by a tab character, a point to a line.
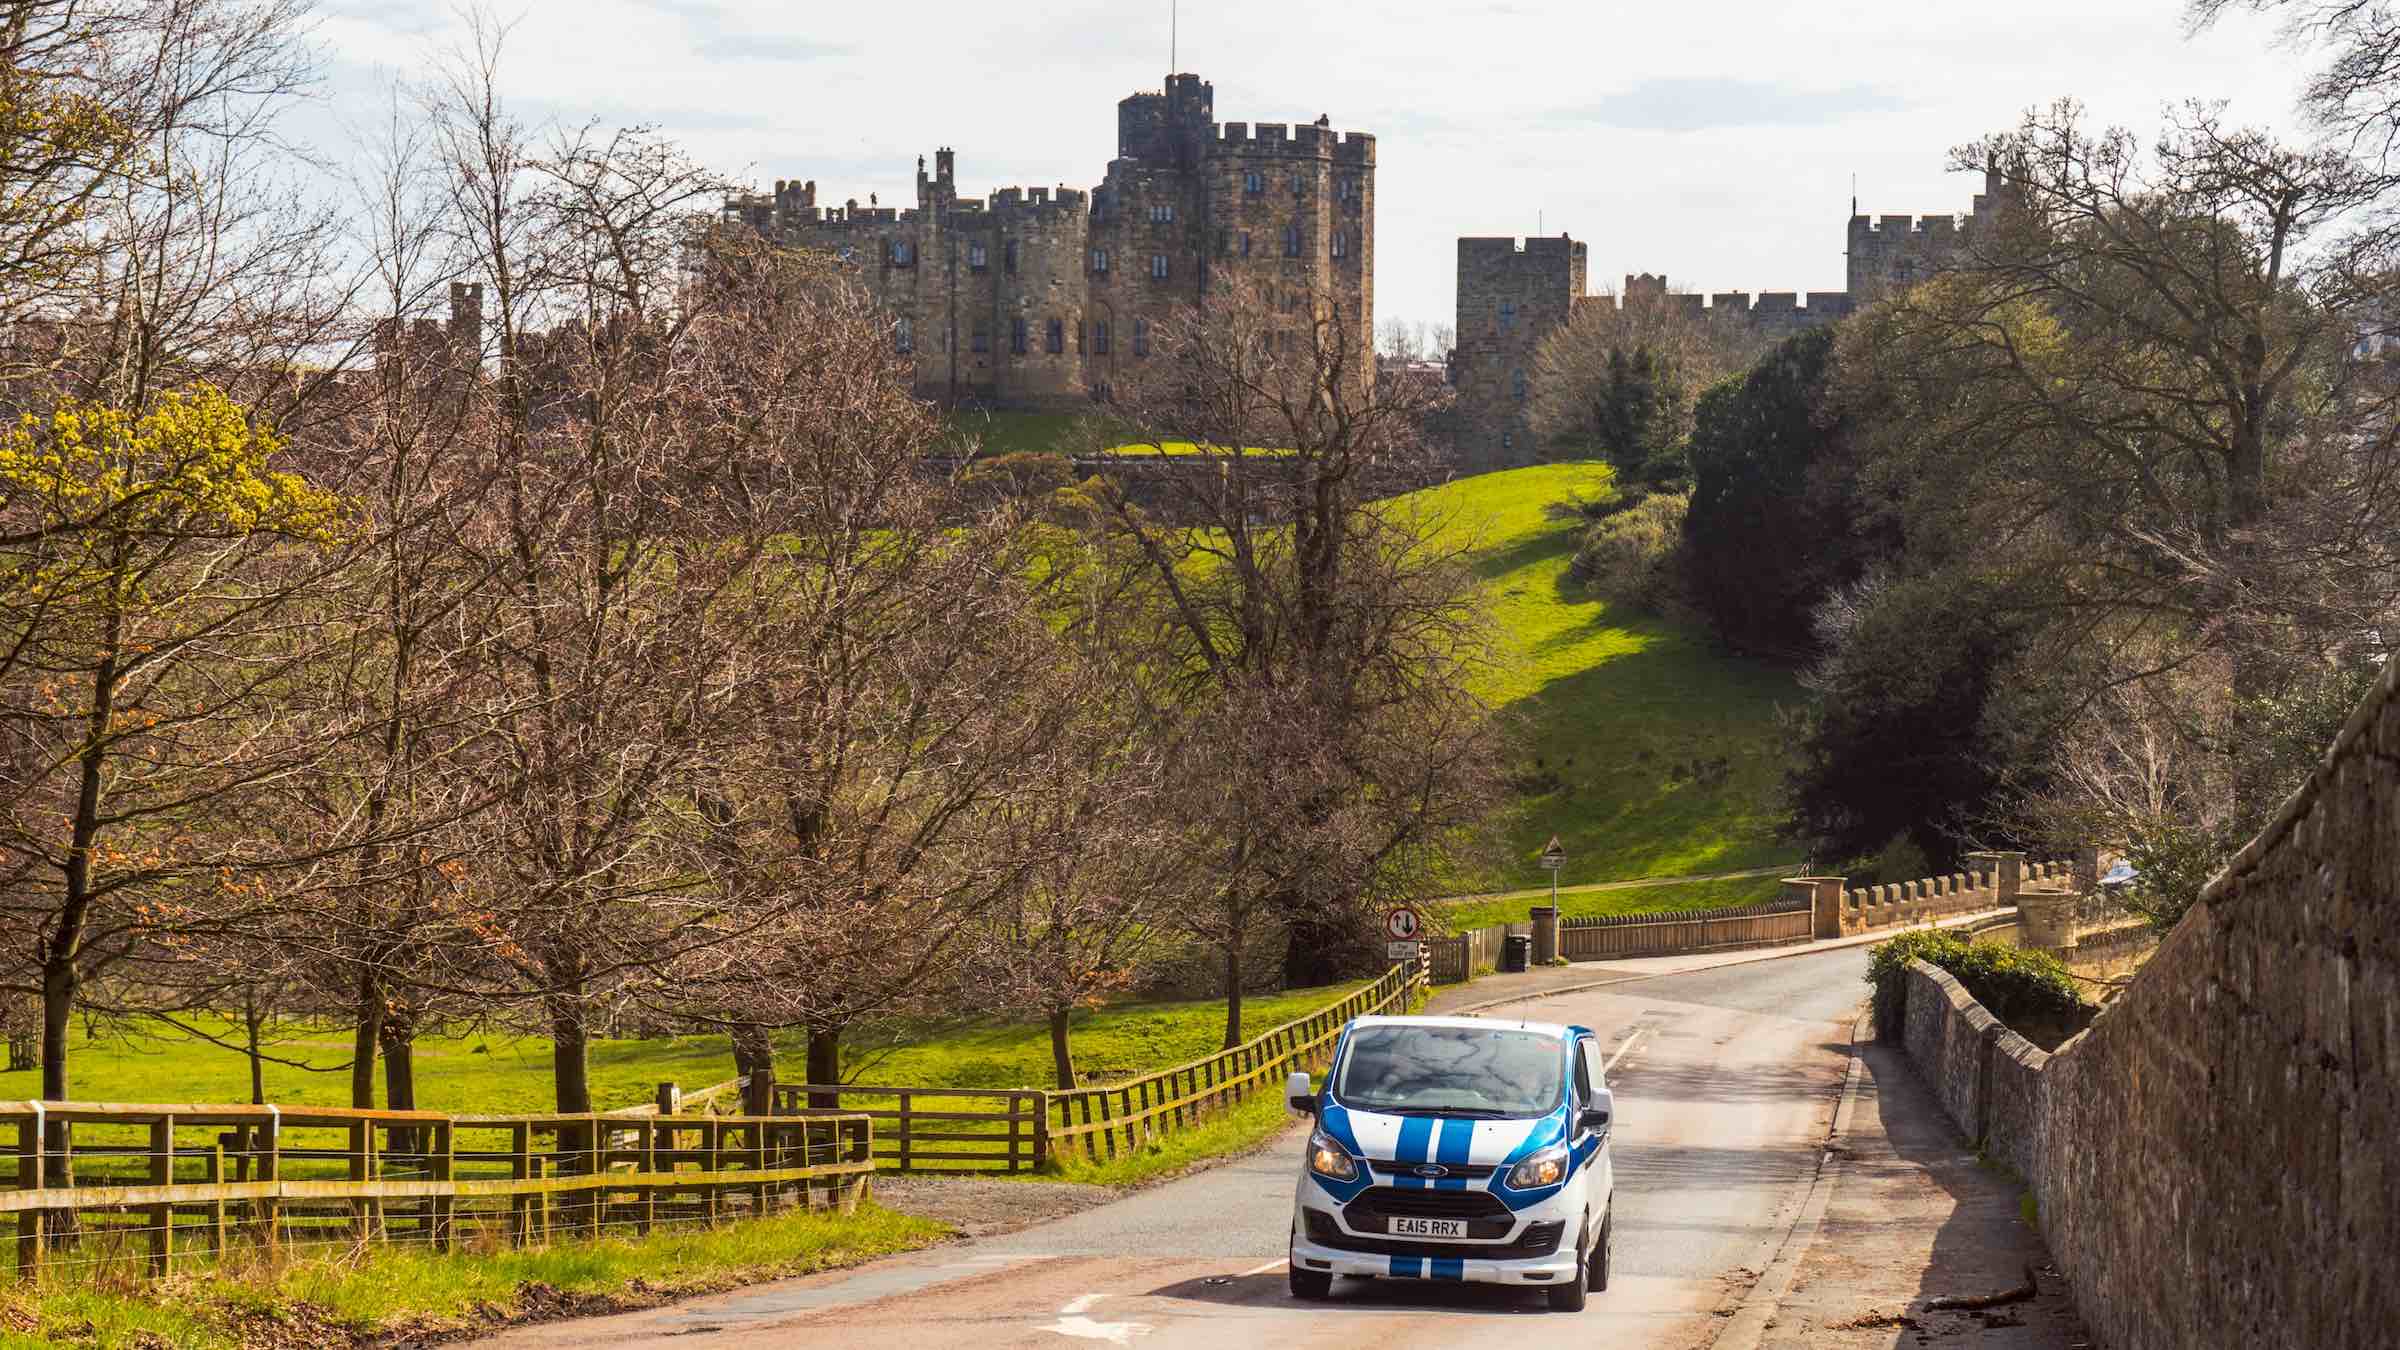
1030	200
1923	227
1304	141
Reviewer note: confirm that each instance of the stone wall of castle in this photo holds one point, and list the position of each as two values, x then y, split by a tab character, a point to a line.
1036	298
1511	295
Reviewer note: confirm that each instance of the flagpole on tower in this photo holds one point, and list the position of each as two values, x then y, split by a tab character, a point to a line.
1174	32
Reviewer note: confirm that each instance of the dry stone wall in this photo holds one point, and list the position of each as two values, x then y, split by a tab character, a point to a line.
2217	1159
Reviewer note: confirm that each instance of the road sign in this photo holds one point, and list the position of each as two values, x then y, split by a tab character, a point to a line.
1402	923
1403	951
1554	857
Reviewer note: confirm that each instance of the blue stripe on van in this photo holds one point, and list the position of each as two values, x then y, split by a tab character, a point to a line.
1457	1134
1414	1147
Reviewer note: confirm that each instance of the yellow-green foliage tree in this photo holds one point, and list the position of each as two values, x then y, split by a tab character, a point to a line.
155	641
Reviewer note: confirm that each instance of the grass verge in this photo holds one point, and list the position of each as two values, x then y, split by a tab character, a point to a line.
386	1293
1726	893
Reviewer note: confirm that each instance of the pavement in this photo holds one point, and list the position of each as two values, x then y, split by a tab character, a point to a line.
1735	1153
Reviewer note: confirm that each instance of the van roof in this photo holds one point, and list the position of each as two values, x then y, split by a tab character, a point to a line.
1557	1029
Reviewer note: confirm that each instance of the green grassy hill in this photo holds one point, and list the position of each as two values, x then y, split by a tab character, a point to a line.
1650	753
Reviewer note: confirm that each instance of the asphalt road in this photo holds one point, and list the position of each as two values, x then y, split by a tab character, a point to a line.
1725	1090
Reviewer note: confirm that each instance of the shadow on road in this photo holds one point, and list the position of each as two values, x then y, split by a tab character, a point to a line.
1361	1295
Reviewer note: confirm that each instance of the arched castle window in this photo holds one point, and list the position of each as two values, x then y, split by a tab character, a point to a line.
1508	316
1245	243
1056	339
1100	337
1141	337
904	335
1158	266
903	253
1099	260
1516	385
1016	336
976	256
1341	244
1291	239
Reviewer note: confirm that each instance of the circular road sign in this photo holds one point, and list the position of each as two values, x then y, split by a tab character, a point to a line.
1403	923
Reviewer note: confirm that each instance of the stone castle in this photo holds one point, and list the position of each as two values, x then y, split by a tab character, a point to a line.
1039	298
1512	293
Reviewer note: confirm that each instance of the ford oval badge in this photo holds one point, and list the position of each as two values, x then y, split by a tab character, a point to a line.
1432	1171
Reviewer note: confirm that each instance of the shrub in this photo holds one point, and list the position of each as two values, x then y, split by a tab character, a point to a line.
2015	984
1633	555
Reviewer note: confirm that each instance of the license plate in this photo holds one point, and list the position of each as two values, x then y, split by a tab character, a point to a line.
1433	1228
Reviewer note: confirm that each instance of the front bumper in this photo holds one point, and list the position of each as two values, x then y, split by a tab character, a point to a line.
1556	1268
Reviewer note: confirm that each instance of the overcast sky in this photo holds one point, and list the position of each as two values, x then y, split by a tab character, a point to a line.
1713	140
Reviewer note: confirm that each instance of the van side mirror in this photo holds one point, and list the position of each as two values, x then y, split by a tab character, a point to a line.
1300	1093
1599	1113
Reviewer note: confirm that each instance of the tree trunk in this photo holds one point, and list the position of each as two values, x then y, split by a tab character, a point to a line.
58	1015
1233	994
570	1066
1313	951
1061	1063
252	1019
824	1067
364	1042
753	1049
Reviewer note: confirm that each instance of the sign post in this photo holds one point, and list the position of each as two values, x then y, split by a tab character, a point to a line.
1554	857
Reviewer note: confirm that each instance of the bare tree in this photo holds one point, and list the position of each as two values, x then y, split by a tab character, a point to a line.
1622	376
1297	644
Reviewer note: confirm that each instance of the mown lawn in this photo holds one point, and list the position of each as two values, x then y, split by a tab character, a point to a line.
1727	893
1651	752
500	1073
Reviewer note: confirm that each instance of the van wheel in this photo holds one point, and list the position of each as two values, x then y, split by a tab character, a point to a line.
1570	1297
1311	1284
1604	1254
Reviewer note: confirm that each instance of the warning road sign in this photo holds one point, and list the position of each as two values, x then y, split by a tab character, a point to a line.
1553	856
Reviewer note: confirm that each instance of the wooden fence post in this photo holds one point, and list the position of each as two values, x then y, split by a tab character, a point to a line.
216	1208
521	1168
907	1131
443	1210
29	1178
162	1217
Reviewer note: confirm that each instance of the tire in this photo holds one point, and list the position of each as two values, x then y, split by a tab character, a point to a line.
1571	1296
1311	1285
1604	1254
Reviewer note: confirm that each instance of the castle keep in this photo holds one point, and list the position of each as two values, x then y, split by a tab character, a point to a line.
1034	298
1512	293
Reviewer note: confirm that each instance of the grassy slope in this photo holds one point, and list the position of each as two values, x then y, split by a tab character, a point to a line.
1715	894
501	1073
1618	708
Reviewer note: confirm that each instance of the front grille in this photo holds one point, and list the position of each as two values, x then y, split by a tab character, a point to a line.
1538	1239
1382	1202
1466	1171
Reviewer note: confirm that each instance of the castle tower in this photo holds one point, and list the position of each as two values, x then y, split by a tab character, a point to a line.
1510	296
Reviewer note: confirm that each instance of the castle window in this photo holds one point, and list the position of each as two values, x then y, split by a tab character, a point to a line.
904	335
1016	336
1508	316
1245	243
1348	189
1099	260
1158	266
1079	337
1291	241
1100	337
1141	337
1056	339
903	253
1254	182
1516	385
1341	244
1295	185
1162	213
976	256
1008	257
845	253
980	340
1508	440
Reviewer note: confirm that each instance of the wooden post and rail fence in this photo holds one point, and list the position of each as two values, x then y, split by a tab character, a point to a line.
923	1129
105	1183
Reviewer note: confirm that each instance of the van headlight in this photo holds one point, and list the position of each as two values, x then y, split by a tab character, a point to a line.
1543	1167
1329	1159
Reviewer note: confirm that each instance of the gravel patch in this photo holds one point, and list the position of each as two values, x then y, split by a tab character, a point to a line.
980	1208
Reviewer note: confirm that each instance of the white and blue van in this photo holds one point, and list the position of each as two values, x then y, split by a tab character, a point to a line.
1457	1148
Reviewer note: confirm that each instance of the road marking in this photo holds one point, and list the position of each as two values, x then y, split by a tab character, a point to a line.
1277	1264
1623	1050
1072	1322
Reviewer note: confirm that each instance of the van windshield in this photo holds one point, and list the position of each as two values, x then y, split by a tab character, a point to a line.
1475	1071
